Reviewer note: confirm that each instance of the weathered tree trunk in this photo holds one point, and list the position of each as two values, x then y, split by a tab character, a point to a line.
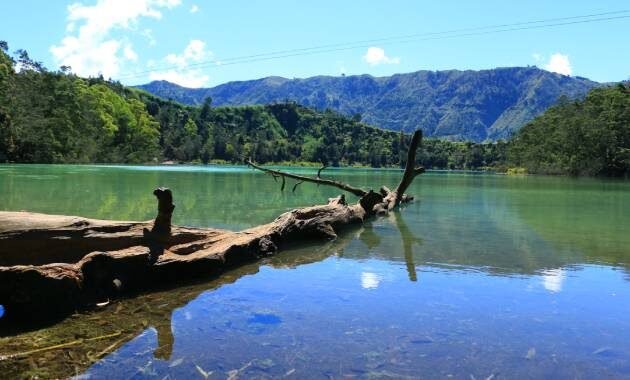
57	263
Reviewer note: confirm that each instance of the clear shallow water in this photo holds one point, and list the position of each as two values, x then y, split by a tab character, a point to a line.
484	275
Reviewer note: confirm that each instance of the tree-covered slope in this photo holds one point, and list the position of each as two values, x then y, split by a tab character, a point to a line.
56	117
586	137
457	105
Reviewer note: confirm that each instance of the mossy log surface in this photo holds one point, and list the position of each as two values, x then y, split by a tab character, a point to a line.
54	264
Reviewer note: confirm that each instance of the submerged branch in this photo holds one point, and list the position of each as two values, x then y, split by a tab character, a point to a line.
59	346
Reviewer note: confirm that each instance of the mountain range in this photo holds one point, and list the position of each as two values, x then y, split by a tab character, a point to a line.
485	105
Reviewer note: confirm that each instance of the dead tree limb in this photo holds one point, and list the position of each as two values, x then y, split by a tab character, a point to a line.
340	185
159	235
53	263
411	171
378	203
392	199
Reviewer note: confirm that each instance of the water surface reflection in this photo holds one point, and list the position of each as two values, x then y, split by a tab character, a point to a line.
483	276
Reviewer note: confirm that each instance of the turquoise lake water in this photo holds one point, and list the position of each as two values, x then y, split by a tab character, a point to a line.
483	276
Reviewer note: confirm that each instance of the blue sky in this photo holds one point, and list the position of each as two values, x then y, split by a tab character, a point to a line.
191	41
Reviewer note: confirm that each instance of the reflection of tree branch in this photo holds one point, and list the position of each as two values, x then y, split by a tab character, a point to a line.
303	254
369	237
156	309
408	239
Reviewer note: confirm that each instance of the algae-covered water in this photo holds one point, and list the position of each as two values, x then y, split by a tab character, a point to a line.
484	276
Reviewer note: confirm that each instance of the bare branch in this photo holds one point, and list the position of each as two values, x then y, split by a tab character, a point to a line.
391	199
340	185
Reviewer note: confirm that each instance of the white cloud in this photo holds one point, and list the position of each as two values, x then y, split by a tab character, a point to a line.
537	57
92	50
190	79
370	280
194	8
182	73
376	56
559	63
194	52
130	54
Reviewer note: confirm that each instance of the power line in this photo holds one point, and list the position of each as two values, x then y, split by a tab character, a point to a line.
352	45
410	36
410	41
476	31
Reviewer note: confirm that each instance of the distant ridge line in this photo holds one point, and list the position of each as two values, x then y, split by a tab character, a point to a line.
464	105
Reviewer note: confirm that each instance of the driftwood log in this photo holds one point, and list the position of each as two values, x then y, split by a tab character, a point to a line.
54	264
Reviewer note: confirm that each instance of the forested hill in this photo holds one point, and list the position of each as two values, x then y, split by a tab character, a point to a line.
587	137
56	117
457	105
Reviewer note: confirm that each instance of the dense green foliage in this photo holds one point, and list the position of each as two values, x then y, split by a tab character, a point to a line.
288	132
271	133
589	137
56	117
443	154
455	105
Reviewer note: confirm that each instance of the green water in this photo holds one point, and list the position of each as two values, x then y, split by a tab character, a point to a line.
484	275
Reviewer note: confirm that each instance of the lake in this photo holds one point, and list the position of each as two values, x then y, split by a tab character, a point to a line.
482	277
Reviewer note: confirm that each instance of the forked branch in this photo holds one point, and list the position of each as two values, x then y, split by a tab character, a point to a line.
328	182
411	171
